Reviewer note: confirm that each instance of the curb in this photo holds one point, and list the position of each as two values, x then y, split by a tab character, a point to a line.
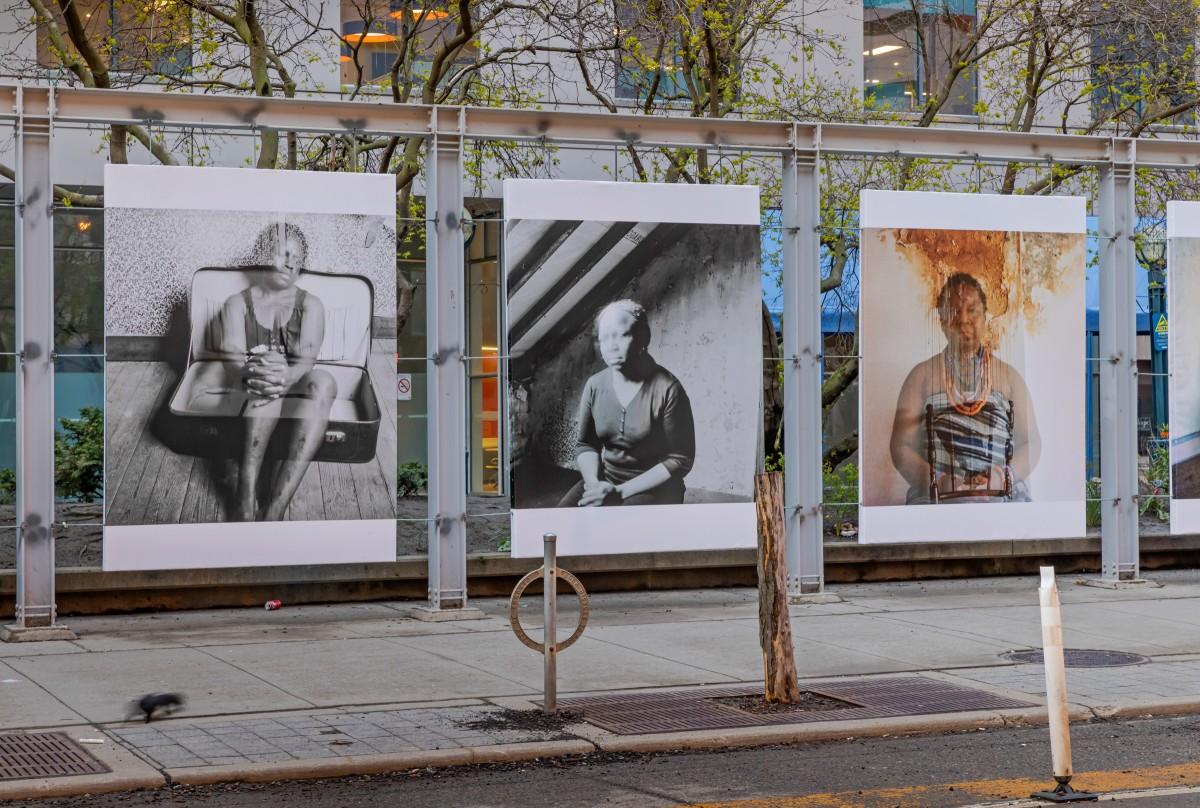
602	742
829	731
74	786
1157	708
377	764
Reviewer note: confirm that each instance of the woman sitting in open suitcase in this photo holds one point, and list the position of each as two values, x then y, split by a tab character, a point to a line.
271	335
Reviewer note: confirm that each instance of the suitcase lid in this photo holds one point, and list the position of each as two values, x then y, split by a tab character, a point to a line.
349	302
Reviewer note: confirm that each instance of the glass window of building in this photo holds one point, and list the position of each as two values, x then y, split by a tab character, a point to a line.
378	35
8	380
907	51
484	340
649	63
1143	61
137	37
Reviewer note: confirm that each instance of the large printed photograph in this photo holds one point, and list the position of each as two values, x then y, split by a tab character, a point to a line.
251	359
972	353
635	365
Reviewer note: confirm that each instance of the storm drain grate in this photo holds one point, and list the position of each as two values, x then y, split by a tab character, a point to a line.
44	754
1082	658
681	710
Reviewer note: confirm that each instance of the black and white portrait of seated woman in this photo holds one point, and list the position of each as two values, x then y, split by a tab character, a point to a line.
637	436
635	368
250	342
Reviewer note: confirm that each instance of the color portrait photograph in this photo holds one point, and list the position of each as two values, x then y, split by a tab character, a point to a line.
970	355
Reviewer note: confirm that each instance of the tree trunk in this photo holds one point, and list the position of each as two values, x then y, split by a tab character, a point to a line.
772	386
774	626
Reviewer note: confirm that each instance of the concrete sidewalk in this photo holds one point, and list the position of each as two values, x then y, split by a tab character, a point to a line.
326	690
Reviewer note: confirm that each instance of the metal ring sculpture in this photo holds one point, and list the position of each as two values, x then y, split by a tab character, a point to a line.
515	619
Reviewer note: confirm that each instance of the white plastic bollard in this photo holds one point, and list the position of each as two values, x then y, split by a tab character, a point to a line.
1056	694
1056	676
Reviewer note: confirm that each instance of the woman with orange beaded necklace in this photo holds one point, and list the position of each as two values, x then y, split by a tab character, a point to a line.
964	430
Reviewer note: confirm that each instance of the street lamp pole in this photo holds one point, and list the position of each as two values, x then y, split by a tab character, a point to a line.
1151	253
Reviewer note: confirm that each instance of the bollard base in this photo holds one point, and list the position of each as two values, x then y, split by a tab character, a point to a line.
36	633
814	598
428	614
1064	793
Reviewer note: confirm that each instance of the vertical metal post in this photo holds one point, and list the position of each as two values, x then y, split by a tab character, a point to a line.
802	367
447	419
1118	366
550	621
36	609
1158	350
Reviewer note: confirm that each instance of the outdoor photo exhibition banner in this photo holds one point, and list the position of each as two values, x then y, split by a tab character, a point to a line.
249	405
971	397
1183	295
635	371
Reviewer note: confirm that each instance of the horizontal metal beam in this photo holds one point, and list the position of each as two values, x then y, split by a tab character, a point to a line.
603	128
382	117
234	112
948	142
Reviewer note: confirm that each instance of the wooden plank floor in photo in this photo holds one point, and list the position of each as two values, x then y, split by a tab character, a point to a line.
148	484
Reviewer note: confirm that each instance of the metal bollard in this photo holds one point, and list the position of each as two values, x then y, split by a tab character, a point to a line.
550	621
1056	695
551	646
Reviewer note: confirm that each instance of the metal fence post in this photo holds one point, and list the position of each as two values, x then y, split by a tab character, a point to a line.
550	623
1118	366
36	608
802	366
445	278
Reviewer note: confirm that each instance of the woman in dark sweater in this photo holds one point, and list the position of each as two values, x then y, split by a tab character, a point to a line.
637	438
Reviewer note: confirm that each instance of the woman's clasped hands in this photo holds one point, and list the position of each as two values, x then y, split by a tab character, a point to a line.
596	493
264	374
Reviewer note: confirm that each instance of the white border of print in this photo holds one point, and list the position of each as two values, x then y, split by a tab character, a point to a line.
245	189
1183	221
976	521
213	545
606	530
598	201
946	211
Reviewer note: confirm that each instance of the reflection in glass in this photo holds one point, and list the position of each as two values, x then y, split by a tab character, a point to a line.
907	51
79	367
483	345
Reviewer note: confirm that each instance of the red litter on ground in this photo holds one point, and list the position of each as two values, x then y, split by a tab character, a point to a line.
272	605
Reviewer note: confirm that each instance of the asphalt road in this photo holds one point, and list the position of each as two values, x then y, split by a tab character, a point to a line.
958	769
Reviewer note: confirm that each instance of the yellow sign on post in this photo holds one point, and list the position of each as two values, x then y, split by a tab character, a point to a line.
1160	333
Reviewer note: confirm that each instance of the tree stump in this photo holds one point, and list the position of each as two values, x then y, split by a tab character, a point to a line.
774	625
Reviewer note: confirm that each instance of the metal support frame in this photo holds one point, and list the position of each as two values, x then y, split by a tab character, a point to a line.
446	313
1118	365
36	608
36	108
802	371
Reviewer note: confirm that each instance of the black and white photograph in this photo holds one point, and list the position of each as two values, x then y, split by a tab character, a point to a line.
251	368
634	364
